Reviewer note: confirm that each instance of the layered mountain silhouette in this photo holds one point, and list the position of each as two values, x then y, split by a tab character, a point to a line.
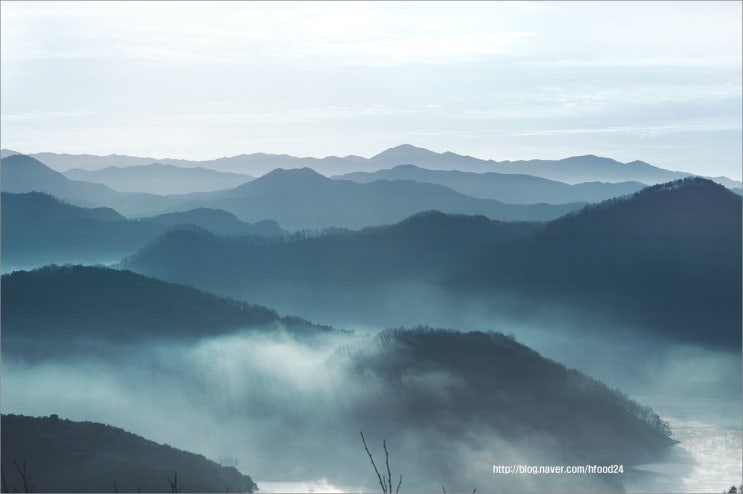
40	229
572	170
60	455
304	199
20	173
50	310
298	199
160	179
338	271
509	188
666	259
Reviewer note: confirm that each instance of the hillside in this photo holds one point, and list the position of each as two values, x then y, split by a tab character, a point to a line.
53	308
303	199
65	456
20	173
39	229
160	179
435	388
509	188
667	259
336	272
216	221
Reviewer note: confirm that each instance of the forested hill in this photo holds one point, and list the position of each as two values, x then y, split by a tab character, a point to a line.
666	259
63	303
65	456
484	395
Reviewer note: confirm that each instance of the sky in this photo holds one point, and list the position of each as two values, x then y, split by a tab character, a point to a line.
654	81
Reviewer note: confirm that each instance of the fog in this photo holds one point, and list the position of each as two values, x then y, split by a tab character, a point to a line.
291	411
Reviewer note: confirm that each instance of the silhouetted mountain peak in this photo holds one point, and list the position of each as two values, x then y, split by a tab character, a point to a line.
292	173
688	200
590	159
22	160
690	186
403	152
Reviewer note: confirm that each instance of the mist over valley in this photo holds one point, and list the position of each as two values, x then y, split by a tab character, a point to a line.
264	325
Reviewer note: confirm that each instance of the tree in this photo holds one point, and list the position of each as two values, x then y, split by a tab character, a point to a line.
384	483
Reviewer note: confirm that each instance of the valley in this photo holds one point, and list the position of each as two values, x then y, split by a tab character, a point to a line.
489	315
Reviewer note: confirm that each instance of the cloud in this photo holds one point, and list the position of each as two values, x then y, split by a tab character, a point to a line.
642	131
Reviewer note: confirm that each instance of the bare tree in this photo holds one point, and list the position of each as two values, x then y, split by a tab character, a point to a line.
25	478
384	483
174	484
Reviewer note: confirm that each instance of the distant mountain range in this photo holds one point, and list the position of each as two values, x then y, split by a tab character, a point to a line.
509	188
302	198
571	170
20	173
64	456
160	179
297	199
39	229
666	259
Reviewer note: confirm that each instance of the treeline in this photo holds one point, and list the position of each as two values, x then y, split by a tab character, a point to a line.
65	456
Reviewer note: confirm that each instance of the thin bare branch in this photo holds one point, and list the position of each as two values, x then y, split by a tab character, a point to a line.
376	470
174	484
398	485
387	462
4	486
27	486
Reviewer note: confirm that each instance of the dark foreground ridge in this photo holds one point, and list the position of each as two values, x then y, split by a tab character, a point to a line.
51	309
66	456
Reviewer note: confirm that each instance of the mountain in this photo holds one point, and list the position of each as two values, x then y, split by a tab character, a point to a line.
429	390
55	310
297	199
590	168
216	221
509	188
336	273
253	164
160	179
666	259
21	173
304	199
64	456
572	170
39	229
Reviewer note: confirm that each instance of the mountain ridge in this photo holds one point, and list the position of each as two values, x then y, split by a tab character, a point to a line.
666	259
67	456
38	229
305	199
504	187
161	179
261	163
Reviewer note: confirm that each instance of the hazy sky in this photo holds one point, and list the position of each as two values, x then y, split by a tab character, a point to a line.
656	81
